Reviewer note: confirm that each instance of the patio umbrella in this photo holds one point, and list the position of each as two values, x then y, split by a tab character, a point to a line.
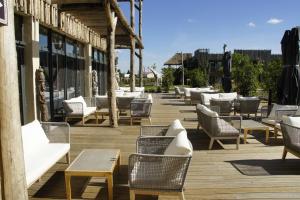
226	79
289	83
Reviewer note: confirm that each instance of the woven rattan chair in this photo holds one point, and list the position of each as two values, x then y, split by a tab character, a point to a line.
152	172
218	127
291	139
140	109
123	103
195	97
247	106
178	92
225	105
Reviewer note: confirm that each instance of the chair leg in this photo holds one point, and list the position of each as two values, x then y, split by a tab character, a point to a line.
211	143
83	121
275	132
284	153
150	122
68	158
181	196
132	195
237	143
131	121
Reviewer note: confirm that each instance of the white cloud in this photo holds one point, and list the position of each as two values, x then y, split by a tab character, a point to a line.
274	21
251	24
190	20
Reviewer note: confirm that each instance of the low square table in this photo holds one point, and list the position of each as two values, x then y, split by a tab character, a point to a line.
251	125
94	163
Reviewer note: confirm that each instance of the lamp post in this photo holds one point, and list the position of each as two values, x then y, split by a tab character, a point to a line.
182	69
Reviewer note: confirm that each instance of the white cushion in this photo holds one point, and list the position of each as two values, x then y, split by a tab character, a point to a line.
180	145
293	121
119	93
298	111
89	110
280	107
44	157
175	128
248	98
206	97
209	112
33	136
150	98
232	95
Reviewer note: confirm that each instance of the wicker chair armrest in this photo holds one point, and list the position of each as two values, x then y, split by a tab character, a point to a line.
153	130
74	108
264	110
153	145
234	120
280	112
162	172
57	132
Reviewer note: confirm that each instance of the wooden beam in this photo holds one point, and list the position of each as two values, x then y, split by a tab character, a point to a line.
140	49
111	80
132	47
13	181
137	55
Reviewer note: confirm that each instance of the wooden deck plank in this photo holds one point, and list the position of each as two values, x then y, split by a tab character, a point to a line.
212	174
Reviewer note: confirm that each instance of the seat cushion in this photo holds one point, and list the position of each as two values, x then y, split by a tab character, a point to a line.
206	97
231	95
225	129
293	121
180	145
205	110
89	110
42	159
175	128
269	121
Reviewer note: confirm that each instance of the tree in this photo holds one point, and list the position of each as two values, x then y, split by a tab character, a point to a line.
245	74
168	78
270	76
197	77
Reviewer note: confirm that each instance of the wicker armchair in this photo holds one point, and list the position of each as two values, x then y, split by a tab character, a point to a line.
225	105
247	106
152	172
123	103
178	92
140	109
79	107
291	139
218	127
195	97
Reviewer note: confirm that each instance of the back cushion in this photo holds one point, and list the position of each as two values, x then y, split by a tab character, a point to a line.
232	95
280	107
33	135
293	121
81	100
175	128
180	145
205	98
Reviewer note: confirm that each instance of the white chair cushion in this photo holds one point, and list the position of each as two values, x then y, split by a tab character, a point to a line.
293	121
205	97
232	95
207	111
175	128
248	98
298	111
150	98
33	136
280	107
45	156
89	110
180	145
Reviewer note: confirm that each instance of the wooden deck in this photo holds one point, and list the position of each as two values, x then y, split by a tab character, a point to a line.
253	172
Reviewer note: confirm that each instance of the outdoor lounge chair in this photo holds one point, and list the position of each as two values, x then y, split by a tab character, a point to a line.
275	116
217	127
123	103
79	107
247	106
290	127
178	92
225	105
140	108
159	166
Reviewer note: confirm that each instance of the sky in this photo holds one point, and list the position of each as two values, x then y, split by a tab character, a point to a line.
171	26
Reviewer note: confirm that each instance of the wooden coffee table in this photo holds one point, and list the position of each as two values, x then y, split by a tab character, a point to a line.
251	125
94	163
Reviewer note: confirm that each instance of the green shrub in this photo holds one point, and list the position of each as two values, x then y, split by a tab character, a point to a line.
168	78
197	78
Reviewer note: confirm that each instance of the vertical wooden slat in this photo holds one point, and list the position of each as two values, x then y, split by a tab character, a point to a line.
132	47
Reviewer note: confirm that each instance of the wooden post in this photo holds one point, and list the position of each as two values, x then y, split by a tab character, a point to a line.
88	69
111	79
132	46
141	38
13	183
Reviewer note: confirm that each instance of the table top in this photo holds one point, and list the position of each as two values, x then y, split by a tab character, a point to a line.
249	124
95	160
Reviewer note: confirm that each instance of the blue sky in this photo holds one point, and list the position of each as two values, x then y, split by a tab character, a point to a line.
171	26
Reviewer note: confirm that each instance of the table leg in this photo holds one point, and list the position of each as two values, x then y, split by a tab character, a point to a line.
245	135
275	132
68	186
110	186
119	164
267	135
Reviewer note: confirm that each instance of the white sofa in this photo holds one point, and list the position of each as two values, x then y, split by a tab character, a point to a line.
44	144
206	97
78	108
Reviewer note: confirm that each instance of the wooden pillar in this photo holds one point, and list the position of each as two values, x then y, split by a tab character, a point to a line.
32	63
140	49
111	79
13	183
88	70
132	46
